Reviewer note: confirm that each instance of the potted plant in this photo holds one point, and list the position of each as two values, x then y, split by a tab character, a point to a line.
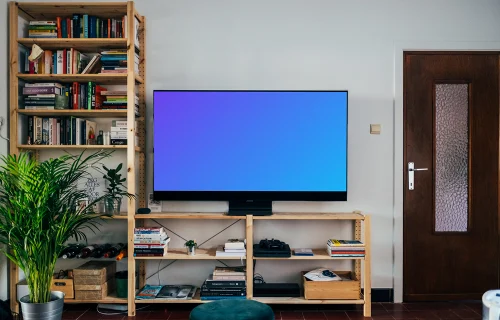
191	247
116	190
39	213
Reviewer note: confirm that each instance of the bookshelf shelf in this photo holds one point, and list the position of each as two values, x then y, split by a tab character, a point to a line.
302	300
180	254
84	45
24	122
76	113
120	78
314	216
319	254
66	147
51	10
189	215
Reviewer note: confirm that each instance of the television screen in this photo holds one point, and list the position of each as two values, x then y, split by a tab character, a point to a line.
230	145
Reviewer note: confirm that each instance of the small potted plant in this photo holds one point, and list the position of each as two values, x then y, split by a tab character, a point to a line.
116	190
191	247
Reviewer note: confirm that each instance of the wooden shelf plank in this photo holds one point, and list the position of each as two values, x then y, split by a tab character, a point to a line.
109	299
312	216
84	45
77	113
301	300
189	215
120	78
65	147
180	254
50	10
319	254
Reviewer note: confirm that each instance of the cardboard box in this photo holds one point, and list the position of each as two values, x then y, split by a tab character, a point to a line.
94	272
330	290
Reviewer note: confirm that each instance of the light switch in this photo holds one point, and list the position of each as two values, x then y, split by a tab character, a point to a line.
375	128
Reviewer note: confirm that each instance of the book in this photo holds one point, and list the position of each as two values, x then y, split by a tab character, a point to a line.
176	292
303	252
235	244
351	243
229	271
148	292
220	252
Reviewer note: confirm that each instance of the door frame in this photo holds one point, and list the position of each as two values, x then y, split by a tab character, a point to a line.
399	166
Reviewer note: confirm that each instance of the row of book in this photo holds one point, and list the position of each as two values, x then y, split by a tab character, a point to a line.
61	131
232	248
72	61
225	283
150	242
80	26
345	248
87	96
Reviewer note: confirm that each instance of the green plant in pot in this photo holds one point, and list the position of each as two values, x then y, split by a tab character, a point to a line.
39	213
115	188
191	247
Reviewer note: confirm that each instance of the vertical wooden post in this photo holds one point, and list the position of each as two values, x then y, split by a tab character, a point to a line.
357	236
141	127
131	171
13	101
249	237
367	311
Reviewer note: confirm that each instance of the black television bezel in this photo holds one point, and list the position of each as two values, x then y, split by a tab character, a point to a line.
254	195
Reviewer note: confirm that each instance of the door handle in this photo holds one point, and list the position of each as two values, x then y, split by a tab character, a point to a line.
411	174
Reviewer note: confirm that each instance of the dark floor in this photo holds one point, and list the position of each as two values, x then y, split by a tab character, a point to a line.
380	311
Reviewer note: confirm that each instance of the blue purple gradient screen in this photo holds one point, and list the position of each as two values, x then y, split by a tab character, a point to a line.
250	141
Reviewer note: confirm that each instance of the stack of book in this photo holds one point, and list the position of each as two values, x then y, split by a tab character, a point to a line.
64	61
150	242
114	61
41	95
225	283
345	248
42	29
232	248
119	132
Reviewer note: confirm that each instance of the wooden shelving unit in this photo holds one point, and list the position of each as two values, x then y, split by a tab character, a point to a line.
135	85
361	228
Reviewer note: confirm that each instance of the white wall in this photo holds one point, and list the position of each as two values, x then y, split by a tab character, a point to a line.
297	44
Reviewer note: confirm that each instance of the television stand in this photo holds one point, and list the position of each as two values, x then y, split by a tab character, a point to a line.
254	207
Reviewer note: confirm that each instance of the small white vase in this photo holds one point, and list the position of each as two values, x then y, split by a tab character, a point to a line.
191	251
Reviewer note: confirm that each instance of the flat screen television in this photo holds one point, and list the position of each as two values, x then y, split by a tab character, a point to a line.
250	147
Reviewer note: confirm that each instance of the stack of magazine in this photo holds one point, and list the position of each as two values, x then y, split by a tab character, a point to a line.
225	283
167	292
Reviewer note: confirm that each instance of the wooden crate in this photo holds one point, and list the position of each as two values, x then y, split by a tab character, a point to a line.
324	290
64	285
94	272
94	292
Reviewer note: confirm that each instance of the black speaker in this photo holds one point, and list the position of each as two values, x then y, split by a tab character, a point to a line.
143	210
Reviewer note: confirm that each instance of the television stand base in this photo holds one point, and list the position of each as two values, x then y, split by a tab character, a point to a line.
256	208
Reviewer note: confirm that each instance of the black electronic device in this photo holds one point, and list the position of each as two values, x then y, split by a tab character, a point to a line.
143	211
276	290
272	248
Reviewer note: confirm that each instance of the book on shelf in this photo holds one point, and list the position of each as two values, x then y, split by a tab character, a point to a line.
63	61
60	130
232	244
167	292
303	252
349	243
150	242
224	286
221	252
148	292
82	26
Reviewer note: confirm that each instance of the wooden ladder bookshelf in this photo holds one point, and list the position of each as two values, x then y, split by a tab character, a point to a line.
135	85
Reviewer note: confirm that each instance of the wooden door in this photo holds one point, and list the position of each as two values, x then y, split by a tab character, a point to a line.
451	119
